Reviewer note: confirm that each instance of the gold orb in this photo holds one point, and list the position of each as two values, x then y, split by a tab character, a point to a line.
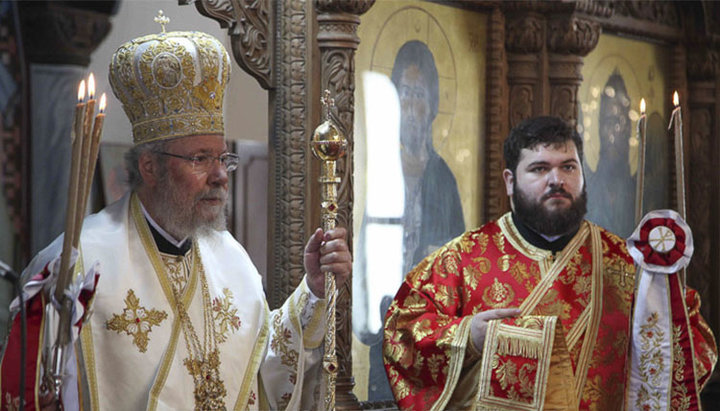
328	143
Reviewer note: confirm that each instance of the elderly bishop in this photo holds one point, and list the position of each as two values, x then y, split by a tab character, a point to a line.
180	319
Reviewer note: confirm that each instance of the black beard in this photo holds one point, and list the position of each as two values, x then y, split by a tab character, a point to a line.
549	223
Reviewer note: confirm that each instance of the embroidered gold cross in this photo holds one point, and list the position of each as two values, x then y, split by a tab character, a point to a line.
136	321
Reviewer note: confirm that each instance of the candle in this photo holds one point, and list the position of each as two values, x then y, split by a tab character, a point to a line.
639	189
79	112
76	137
90	105
676	125
84	160
95	144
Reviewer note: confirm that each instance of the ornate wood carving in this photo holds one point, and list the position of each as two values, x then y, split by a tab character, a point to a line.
569	38
572	35
496	202
524	40
702	158
289	151
14	147
248	23
662	12
56	33
337	39
250	28
524	33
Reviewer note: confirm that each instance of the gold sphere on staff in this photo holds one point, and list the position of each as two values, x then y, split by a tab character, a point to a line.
328	143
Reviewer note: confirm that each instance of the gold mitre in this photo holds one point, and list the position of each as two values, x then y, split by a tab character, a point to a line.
171	84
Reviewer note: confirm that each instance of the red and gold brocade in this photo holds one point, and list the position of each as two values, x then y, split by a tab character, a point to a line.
428	356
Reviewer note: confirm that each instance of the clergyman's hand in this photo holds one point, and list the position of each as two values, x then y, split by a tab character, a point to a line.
327	252
479	324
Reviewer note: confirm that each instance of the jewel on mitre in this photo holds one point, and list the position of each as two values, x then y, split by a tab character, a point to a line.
662	242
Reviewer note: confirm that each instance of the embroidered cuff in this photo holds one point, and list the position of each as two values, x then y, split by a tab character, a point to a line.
312	313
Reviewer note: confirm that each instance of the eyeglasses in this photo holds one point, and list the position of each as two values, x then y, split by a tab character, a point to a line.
203	163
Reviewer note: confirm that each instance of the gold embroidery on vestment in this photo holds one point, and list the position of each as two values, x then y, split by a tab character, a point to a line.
136	320
498	295
225	315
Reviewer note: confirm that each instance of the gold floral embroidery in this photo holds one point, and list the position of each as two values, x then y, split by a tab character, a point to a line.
177	269
419	360
445	340
395	349
225	315
527	382
414	303
136	321
281	341
503	262
679	399
470	239
471	276
445	295
499	240
449	264
429	288
399	385
422	329
651	366
466	243
434	363
506	372
498	295
508	376
483	264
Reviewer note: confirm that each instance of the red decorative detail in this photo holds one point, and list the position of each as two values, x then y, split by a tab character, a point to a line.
651	256
332	207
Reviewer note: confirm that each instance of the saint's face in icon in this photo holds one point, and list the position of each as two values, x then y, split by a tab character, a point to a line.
414	109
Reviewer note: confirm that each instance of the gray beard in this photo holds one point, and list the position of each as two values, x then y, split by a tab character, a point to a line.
180	218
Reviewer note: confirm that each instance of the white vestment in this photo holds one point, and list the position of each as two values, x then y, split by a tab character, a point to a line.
134	350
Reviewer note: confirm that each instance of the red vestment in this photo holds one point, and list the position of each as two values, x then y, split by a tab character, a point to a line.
574	333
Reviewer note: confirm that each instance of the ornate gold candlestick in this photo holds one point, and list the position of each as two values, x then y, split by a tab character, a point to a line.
329	145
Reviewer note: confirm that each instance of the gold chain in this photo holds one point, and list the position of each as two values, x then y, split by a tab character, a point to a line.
203	361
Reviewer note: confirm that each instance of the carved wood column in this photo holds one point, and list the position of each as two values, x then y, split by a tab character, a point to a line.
569	39
524	40
497	116
337	39
702	157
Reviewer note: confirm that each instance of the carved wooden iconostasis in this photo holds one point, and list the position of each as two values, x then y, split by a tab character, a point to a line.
496	64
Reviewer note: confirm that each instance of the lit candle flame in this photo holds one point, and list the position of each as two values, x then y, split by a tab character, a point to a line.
676	99
91	86
81	91
642	106
103	100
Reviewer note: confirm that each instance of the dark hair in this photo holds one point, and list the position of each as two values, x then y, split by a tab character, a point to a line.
416	52
545	130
